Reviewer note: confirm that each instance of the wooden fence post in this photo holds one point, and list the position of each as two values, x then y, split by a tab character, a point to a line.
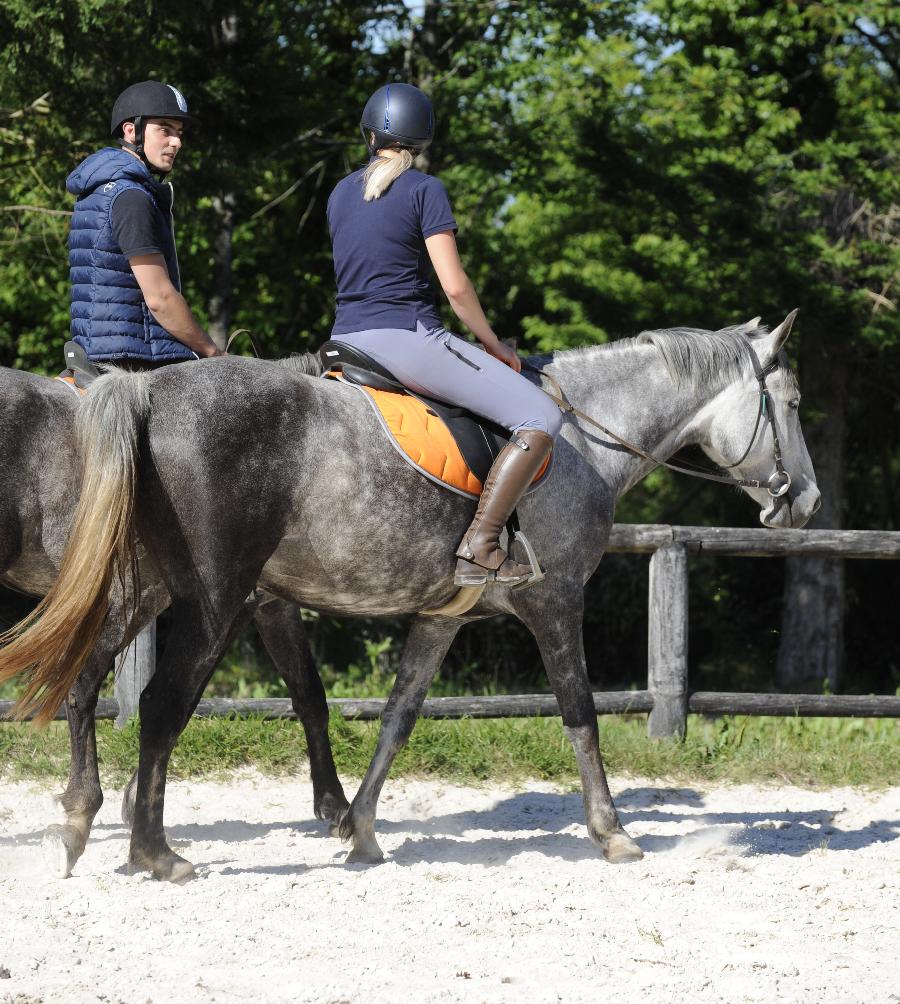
134	668
667	642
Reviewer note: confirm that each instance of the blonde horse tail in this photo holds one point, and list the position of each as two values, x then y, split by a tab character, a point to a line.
52	644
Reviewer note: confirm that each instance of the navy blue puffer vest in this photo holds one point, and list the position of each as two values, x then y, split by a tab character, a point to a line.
110	319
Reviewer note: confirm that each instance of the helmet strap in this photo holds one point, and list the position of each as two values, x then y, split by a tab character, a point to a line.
138	145
371	145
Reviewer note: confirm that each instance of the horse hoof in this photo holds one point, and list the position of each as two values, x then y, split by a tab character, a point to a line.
177	870
168	867
59	852
364	856
619	849
331	809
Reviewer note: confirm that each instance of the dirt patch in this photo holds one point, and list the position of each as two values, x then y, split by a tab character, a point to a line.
488	894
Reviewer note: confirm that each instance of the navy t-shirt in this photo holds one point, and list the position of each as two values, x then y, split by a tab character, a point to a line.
381	264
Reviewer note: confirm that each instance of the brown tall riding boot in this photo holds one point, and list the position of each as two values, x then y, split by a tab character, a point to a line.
481	559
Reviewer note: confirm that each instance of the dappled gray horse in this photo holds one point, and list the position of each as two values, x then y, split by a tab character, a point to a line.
288	481
39	477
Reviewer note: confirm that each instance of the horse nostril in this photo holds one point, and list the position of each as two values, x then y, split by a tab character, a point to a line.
817	505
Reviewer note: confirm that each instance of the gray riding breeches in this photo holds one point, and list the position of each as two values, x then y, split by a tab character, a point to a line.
441	365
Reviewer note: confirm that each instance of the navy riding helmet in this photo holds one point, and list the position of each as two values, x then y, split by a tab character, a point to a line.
150	99
398	115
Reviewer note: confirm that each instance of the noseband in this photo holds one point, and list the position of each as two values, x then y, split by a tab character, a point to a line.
779	481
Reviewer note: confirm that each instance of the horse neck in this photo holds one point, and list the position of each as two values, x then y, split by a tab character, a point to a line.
629	390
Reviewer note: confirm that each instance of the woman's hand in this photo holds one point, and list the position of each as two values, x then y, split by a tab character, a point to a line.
463	299
507	355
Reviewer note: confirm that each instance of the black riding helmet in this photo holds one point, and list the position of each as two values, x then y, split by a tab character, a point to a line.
398	114
149	99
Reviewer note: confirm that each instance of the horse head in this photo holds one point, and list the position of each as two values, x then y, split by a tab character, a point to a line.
755	431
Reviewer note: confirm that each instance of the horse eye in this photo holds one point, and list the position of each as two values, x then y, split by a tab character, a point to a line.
794	404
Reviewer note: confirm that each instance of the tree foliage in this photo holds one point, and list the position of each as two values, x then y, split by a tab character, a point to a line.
614	166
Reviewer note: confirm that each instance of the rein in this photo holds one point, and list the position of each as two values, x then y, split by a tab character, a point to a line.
778	483
242	331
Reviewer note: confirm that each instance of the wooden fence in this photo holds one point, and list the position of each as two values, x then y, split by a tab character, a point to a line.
667	699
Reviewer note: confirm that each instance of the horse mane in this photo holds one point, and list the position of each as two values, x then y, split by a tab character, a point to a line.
302	362
701	358
694	357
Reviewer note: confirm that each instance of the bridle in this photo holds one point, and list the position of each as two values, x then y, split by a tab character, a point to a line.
779	481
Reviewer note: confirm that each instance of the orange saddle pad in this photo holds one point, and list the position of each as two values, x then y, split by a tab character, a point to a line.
424	440
67	377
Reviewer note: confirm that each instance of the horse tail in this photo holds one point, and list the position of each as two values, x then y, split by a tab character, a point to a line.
53	643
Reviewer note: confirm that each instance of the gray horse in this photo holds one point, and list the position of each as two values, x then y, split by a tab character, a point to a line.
39	474
236	472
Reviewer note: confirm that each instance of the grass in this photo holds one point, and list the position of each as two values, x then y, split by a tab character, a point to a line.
807	752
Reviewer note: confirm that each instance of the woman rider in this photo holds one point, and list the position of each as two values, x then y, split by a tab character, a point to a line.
388	222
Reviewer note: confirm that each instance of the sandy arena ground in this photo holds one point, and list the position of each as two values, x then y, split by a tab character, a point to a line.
745	894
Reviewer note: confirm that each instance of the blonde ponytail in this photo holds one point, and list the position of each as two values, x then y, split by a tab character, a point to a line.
382	172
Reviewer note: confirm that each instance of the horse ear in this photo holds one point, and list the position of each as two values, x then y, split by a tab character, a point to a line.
774	341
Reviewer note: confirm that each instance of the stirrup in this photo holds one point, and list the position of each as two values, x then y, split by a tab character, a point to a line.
478	577
474	574
537	573
483	576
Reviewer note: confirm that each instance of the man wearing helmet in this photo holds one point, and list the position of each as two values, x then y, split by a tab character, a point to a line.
127	306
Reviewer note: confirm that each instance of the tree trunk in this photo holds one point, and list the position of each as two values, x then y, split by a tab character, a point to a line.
419	62
220	305
812	625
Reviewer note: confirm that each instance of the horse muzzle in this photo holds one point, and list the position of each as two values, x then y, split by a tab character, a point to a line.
789	509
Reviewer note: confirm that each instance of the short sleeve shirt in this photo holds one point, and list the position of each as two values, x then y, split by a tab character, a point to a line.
381	264
134	224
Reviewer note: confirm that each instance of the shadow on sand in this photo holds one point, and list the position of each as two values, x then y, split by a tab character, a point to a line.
476	836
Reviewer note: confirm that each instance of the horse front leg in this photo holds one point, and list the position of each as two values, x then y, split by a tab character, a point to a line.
281	630
427	644
555	621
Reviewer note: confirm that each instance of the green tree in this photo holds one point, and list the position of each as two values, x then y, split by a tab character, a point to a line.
613	165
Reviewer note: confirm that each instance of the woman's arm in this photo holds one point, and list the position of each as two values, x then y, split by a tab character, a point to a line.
462	296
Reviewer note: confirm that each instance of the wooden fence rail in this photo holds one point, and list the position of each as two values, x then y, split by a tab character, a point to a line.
616	702
667	634
668	699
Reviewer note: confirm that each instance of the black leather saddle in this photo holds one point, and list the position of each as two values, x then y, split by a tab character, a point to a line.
82	370
479	440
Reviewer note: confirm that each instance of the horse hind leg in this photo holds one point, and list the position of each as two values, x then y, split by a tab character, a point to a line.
427	644
557	628
63	844
281	630
193	650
